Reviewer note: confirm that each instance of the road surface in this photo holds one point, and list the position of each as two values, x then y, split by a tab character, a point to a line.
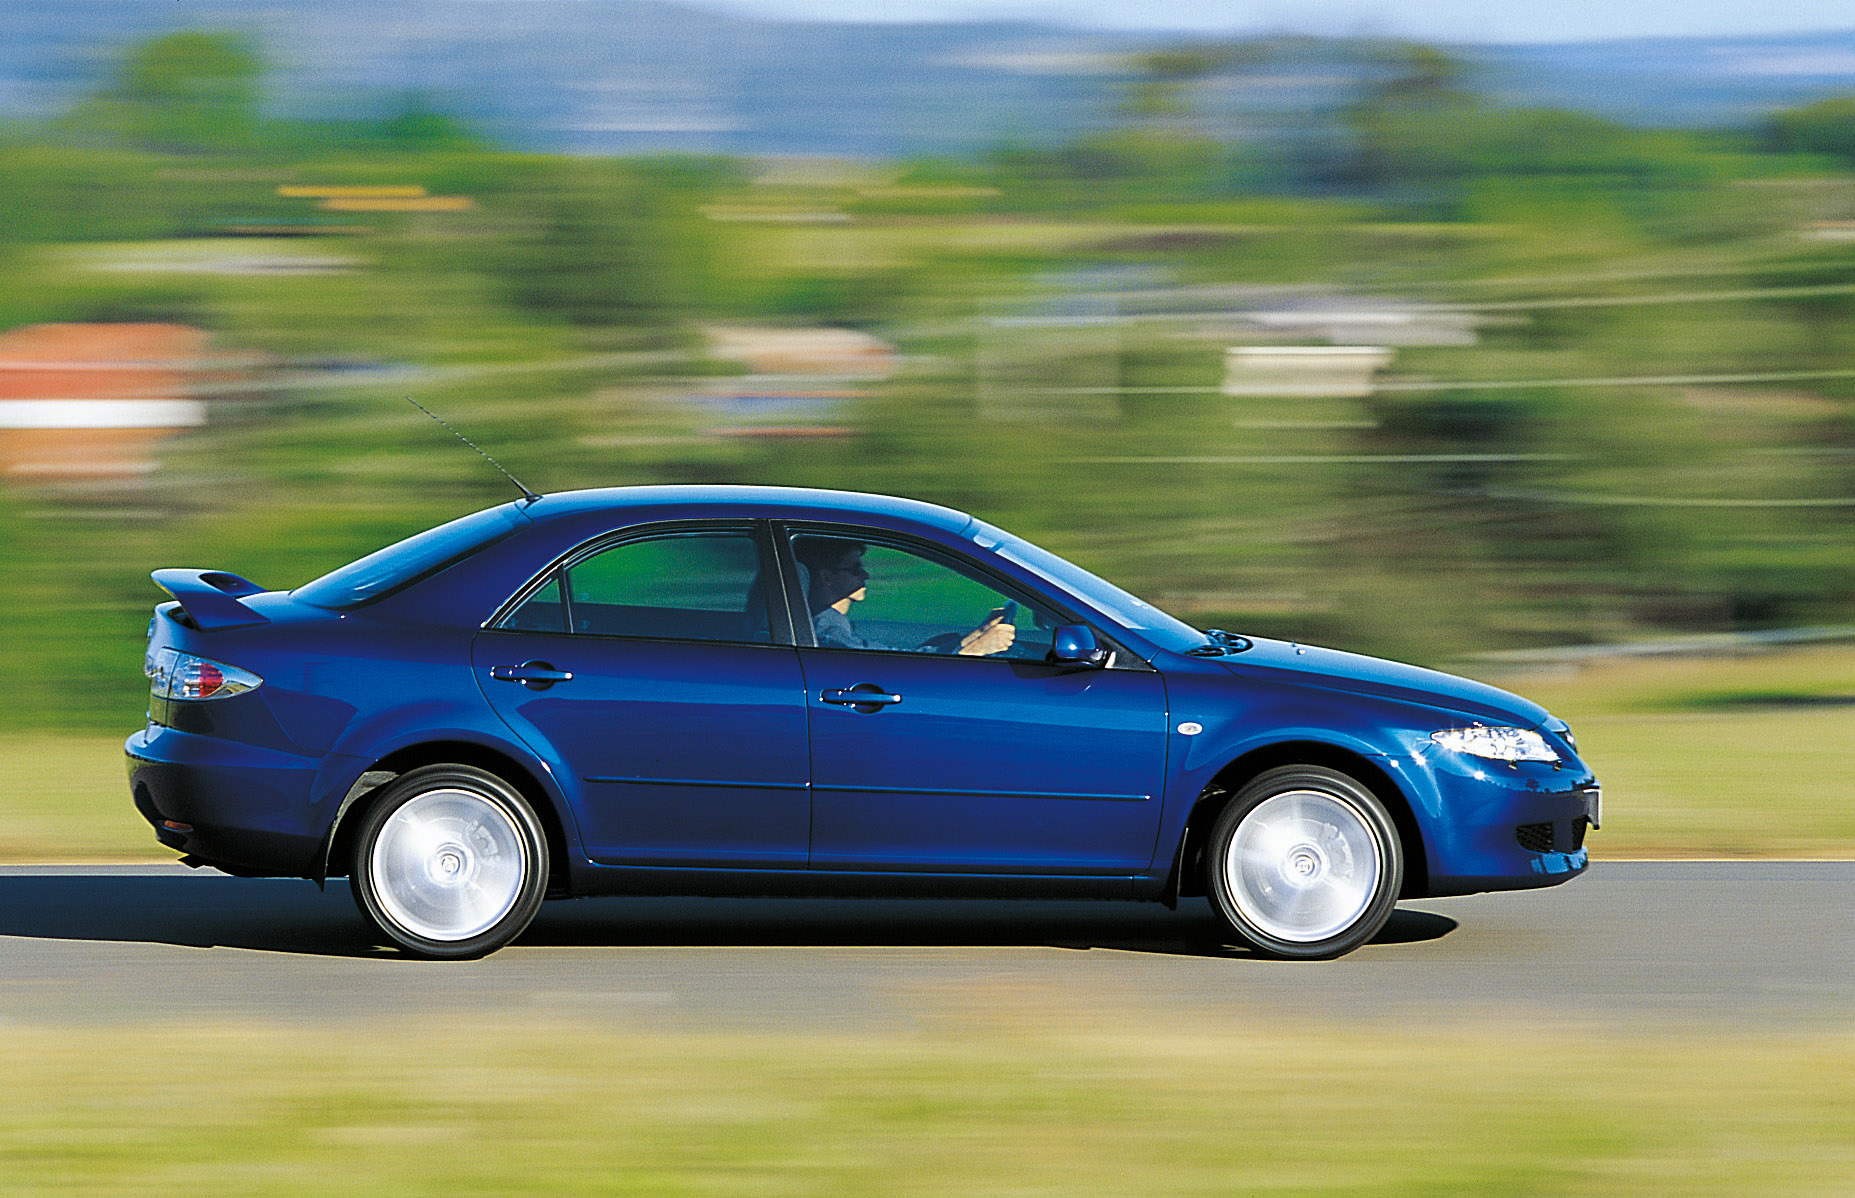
1750	944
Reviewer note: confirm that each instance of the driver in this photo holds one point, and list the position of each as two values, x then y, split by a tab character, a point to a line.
839	578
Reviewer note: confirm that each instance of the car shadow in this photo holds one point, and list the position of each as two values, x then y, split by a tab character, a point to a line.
291	916
202	910
1189	931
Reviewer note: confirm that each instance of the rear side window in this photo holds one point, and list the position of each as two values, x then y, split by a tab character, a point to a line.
400	565
541	612
695	586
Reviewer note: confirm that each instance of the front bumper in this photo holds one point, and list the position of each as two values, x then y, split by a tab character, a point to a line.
1500	826
243	808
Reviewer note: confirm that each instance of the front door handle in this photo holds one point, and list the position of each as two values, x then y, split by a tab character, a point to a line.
864	696
535	675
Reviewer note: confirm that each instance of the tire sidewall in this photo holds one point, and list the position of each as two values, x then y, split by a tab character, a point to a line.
491	789
1323	781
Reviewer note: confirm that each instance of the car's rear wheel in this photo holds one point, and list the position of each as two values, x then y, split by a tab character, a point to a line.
1304	862
450	862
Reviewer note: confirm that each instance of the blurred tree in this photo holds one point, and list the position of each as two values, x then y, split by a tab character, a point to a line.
594	261
618	244
414	124
1825	127
192	92
1164	78
1417	75
1407	118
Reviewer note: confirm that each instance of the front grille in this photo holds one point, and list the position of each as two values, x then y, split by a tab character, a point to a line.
1534	838
1547	838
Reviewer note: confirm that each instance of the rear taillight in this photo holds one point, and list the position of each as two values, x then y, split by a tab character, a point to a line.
176	675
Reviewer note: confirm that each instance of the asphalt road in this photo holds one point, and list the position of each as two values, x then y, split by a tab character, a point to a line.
1750	944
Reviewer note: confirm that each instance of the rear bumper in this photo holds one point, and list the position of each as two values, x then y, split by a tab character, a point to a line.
242	808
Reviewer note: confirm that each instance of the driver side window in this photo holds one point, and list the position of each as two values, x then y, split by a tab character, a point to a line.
871	595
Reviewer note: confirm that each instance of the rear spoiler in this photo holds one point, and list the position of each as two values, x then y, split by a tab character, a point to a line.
211	597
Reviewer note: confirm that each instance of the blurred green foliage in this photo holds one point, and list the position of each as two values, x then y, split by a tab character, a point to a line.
188	92
557	314
1825	127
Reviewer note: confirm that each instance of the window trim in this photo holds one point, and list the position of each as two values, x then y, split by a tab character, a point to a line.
778	601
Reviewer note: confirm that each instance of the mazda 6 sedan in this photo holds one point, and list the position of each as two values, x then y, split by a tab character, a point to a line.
743	690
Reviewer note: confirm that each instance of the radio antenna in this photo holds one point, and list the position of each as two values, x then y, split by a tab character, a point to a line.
530	496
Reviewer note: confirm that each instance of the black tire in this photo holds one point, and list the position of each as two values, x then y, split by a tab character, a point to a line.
450	862
1304	863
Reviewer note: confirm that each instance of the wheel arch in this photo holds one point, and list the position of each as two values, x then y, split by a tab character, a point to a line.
1186	878
378	775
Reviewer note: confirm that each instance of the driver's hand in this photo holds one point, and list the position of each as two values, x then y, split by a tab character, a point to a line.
993	636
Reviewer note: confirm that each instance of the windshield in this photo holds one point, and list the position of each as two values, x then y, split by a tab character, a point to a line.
384	571
1128	610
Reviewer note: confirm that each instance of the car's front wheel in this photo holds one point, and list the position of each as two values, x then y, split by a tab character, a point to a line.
1304	862
450	862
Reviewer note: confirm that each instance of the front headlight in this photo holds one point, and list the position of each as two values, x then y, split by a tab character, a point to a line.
1497	744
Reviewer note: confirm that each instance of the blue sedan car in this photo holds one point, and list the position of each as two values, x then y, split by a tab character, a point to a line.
709	690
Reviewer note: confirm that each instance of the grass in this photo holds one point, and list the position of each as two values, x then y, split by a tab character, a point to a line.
1750	784
1743	756
1737	756
1011	1101
65	797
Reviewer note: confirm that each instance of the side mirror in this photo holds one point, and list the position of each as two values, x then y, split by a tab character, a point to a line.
1075	645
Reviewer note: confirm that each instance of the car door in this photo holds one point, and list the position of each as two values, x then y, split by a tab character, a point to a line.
651	672
934	749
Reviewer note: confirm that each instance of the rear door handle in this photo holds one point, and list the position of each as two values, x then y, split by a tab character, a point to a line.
535	675
863	694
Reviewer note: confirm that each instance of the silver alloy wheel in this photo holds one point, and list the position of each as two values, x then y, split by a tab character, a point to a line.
448	864
1304	866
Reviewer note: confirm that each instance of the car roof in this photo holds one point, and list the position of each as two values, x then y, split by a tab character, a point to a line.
775	502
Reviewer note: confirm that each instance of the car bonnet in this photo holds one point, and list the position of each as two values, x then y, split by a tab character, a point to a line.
1331	669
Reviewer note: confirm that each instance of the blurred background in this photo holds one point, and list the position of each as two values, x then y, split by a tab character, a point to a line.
1513	338
1502	352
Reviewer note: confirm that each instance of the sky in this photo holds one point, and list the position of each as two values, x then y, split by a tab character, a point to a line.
1431	20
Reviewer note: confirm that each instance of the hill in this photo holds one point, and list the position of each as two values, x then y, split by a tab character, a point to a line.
614	76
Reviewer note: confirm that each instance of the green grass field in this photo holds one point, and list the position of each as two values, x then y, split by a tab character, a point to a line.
65	797
1001	1100
1741	756
1746	755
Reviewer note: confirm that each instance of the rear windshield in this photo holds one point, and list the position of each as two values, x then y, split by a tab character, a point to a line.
400	565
